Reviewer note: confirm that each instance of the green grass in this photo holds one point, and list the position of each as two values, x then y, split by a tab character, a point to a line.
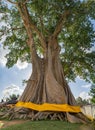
44	125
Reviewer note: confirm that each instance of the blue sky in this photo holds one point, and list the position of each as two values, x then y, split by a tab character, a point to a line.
13	77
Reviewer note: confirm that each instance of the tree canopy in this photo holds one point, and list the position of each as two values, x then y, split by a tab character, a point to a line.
71	21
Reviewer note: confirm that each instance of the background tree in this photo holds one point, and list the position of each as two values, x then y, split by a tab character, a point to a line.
12	97
57	38
92	93
82	102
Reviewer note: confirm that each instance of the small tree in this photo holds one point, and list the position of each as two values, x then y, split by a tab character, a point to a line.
12	97
81	101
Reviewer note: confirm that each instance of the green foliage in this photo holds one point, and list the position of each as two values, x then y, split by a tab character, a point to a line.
12	97
81	101
77	36
92	93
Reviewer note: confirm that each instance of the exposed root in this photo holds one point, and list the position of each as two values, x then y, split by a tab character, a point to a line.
23	113
77	118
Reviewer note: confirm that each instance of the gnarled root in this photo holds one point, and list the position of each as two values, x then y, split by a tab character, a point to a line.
23	113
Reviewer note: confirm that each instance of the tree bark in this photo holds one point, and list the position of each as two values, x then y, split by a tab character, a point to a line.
47	84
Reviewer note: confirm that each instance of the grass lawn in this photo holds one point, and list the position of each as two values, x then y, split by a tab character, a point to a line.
44	125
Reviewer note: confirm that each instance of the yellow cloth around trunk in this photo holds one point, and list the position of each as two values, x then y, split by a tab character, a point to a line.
49	107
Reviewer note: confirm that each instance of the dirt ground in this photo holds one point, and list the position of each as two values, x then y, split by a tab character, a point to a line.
5	124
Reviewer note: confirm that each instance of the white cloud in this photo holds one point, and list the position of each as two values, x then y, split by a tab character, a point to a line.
3	52
86	86
84	95
21	65
12	89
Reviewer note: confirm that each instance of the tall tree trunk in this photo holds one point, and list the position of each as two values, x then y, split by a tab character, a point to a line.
47	82
48	85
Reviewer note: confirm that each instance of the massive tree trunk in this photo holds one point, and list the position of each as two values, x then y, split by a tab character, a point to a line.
47	83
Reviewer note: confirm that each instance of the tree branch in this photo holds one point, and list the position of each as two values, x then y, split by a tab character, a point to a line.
28	23
41	37
28	26
60	23
26	1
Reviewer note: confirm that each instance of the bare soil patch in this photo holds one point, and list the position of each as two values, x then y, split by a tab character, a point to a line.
10	123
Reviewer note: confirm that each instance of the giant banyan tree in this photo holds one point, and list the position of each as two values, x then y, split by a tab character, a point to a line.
54	36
